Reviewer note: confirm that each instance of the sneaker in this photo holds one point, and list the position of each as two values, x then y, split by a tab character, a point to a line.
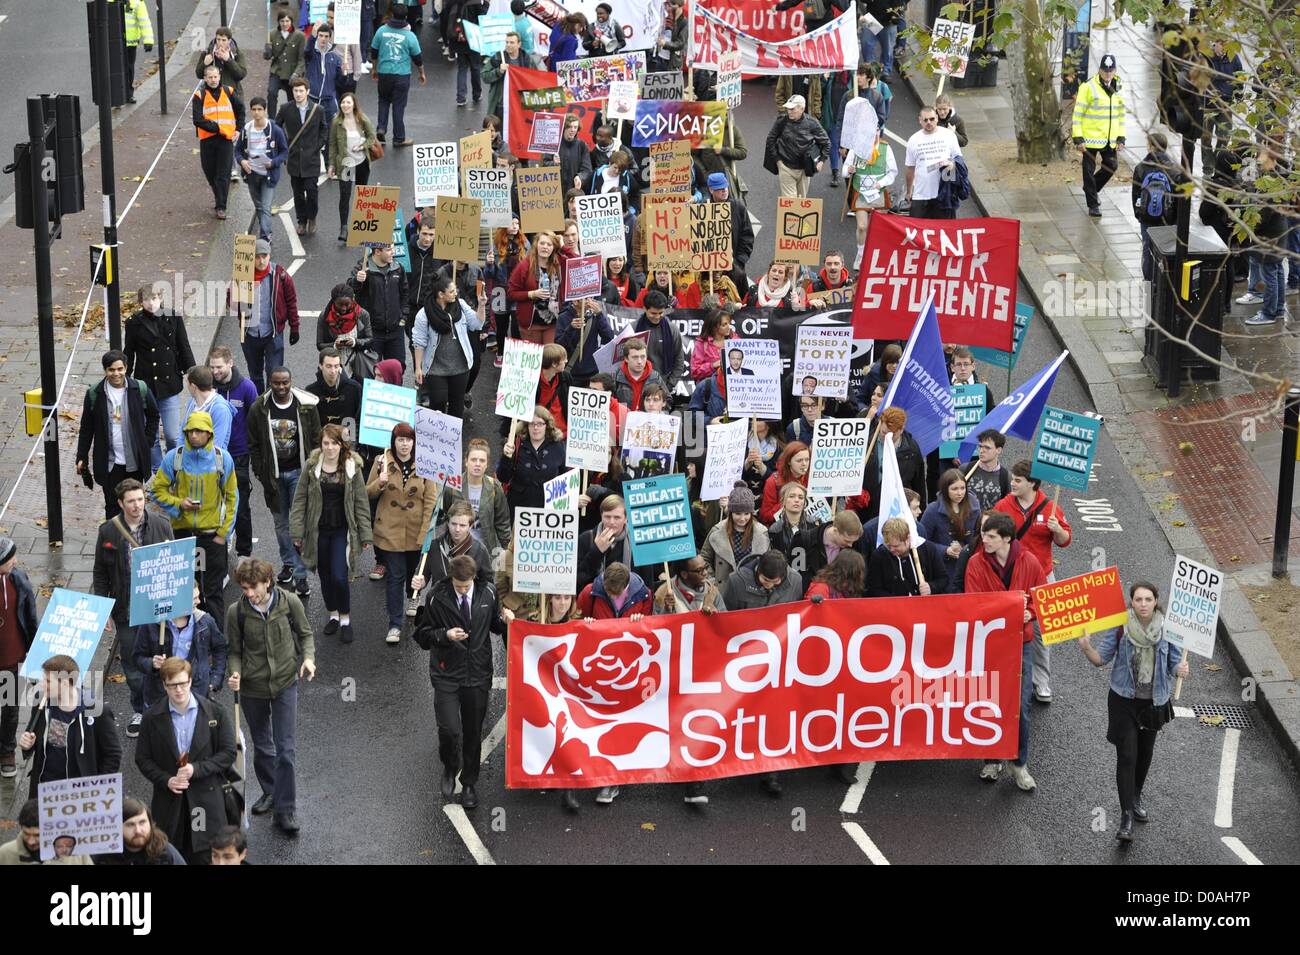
345	633
8	766
1043	694
695	795
303	586
394	635
378	572
1250	298
469	402
380	134
133	727
285	576
498	360
1094	212
332	627
460	103
1021	776
1259	318
412	604
607	795
991	772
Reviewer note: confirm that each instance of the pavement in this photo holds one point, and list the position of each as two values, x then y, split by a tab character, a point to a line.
365	725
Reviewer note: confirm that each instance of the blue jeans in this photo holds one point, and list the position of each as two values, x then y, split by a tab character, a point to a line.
1254	277
1292	243
169	412
836	129
879	47
289	556
467	65
401	566
394	88
1274	289
263	195
332	568
272	724
259	351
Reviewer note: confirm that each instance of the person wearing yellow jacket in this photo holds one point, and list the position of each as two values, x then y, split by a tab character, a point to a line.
139	32
197	488
1098	129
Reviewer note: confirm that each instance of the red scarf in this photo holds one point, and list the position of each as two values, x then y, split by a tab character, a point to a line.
259	274
548	396
637	385
341	323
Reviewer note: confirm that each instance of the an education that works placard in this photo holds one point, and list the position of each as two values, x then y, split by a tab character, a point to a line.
162	581
658	513
71	626
1066	445
546	551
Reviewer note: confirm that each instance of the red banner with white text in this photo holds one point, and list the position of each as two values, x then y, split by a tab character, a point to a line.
518	117
688	697
969	265
829	48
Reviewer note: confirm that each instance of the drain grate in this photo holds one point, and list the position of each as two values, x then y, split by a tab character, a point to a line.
1237	717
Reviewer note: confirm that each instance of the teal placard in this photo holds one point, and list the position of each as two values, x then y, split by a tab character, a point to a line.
972	404
1004	359
659	516
383	407
1063	453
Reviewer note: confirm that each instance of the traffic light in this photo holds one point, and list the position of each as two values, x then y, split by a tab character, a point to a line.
119	84
62	170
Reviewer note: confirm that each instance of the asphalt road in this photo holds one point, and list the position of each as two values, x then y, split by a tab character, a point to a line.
367	764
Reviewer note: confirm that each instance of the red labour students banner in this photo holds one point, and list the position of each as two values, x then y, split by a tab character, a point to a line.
688	697
970	264
519	119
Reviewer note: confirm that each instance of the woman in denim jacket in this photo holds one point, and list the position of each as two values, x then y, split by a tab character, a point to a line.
1140	690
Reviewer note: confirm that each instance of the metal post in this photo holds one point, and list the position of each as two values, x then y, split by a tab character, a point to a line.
1286	483
108	180
45	315
160	38
225	18
1182	316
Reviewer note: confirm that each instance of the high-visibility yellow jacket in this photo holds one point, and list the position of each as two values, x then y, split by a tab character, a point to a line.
1098	115
139	28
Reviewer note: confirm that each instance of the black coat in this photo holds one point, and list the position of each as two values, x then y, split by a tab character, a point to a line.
455	663
808	553
112	571
575	160
158	351
384	295
305	139
529	470
890	576
142	418
93	747
212	752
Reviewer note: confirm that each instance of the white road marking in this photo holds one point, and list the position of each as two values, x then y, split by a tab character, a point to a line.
494	738
1183	712
293	268
853	798
304	313
1240	851
291	228
465	830
753	221
498	683
1227	776
864	843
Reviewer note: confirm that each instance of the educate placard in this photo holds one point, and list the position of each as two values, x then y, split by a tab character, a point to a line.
459	221
1192	614
71	626
667	241
436	168
799	230
541	199
492	31
384	407
670	169
162	581
243	262
600	225
1067	609
700	124
1067	443
754	378
583	277
1008	359
710	236
662	86
727	444
81	816
823	361
546	551
561	492
659	519
437	447
521	366
374	210
401	254
347	22
839	456
971	402
546	132
622	100
587	444
729	86
491	187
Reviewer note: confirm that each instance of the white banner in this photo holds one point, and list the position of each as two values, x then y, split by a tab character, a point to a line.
830	48
81	816
347	22
436	170
1193	609
521	366
437	446
822	361
727	446
753	377
587	416
546	551
561	493
600	225
492	188
839	455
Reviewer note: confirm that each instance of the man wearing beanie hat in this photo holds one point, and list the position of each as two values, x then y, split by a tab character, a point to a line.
742	229
197	488
738	539
17	630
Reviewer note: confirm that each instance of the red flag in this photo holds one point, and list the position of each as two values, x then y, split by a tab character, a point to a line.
519	116
968	264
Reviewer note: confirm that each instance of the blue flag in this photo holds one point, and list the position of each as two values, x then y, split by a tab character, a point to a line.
921	386
1016	416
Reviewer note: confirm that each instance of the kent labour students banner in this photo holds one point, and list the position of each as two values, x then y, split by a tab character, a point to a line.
969	265
519	107
685	697
828	49
700	124
1067	609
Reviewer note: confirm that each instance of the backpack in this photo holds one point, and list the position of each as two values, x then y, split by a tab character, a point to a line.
815	9
93	392
1153	202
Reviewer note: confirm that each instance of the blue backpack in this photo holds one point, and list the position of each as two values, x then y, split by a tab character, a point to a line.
1157	188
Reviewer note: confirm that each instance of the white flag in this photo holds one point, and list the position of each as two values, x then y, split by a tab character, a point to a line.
893	499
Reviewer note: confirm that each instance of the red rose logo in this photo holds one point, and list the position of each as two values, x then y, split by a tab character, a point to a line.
610	675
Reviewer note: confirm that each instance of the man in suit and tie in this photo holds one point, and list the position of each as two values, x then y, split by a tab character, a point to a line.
736	359
187	743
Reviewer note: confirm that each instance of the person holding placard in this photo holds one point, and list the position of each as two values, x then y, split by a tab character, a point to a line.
535	286
931	153
493	70
620	286
911	462
18	628
26	847
663	341
634	374
531	461
70	736
1145	663
330	523
832	276
380	286
608	543
574	156
763	448
777	289
509	247
455	541
574	317
486	498
893	568
869	178
404	505
351	140
553	384
443	353
194	637
988	481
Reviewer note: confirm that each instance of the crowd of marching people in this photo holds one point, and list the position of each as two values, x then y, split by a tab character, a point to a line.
177	443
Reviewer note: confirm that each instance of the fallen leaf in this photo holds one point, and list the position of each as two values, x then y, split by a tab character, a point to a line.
425	852
1166	473
1234	558
42	522
1186	447
648	826
1212	720
1179	523
117	678
8	824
